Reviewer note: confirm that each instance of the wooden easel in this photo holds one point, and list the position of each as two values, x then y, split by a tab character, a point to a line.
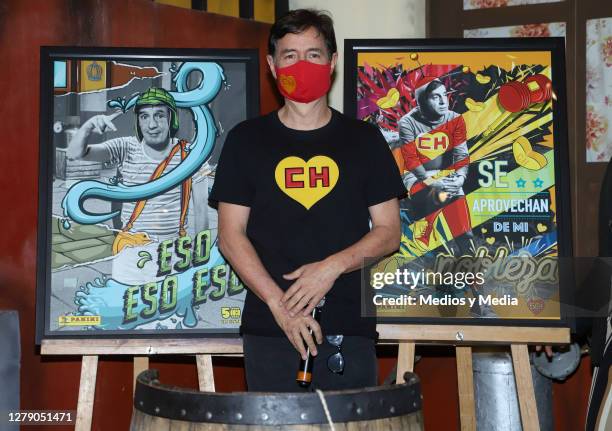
406	336
463	337
141	349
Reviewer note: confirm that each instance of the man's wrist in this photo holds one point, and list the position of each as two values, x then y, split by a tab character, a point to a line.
337	264
274	299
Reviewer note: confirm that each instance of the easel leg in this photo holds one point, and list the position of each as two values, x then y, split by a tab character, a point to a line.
206	379
405	360
465	383
87	389
141	363
524	387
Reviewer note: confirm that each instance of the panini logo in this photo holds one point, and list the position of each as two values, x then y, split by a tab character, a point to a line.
80	320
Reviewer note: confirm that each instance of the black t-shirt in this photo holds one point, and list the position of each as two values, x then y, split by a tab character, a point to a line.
308	193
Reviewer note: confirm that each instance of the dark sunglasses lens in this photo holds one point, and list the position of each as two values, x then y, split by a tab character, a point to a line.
335	340
335	363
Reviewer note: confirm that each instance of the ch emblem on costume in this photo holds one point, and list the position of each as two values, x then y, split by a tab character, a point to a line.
288	83
306	182
432	145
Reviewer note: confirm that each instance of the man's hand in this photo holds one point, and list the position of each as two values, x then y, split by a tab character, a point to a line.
312	282
297	329
78	149
100	123
452	184
547	349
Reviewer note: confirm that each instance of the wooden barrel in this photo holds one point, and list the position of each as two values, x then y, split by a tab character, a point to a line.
160	407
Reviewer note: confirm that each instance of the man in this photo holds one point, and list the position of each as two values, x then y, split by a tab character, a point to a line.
297	189
436	158
434	152
142	158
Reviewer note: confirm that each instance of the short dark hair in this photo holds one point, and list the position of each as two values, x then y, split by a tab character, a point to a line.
422	98
299	20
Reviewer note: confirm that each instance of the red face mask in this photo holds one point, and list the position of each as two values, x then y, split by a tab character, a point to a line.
304	81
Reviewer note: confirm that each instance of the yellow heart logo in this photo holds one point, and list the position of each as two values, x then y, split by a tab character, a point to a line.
307	182
490	240
288	83
432	145
525	156
541	227
390	100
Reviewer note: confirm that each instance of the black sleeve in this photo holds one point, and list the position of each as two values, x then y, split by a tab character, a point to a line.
383	180
232	177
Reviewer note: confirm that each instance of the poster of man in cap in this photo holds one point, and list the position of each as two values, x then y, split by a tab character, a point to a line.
133	239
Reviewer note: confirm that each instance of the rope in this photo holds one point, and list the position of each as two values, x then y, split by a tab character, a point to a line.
326	409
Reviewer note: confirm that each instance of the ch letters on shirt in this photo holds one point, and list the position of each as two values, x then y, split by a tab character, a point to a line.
432	145
307	182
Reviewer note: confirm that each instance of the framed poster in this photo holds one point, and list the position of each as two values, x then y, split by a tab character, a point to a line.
478	131
127	241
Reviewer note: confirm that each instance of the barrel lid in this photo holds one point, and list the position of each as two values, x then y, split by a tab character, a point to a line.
259	408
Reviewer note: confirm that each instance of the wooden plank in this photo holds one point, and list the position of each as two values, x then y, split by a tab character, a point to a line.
206	378
405	360
524	387
141	363
472	334
441	334
142	347
465	383
87	389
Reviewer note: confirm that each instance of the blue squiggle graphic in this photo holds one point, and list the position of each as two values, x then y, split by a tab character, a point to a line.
199	151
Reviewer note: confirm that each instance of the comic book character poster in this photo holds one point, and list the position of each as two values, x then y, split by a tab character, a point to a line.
477	136
129	147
